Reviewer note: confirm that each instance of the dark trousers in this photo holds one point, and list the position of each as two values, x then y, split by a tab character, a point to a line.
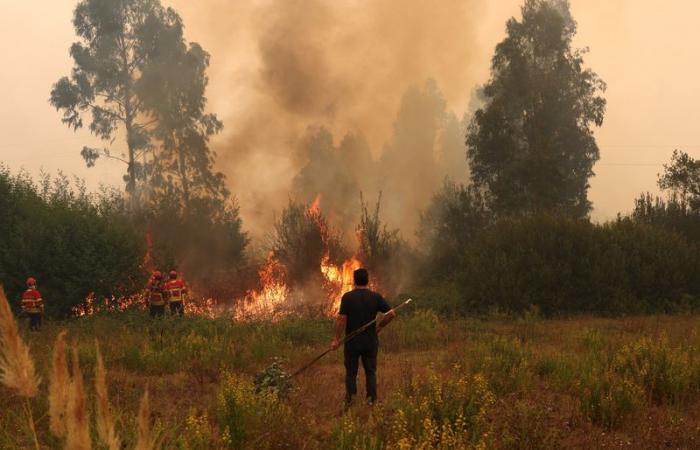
157	310
34	321
177	308
366	350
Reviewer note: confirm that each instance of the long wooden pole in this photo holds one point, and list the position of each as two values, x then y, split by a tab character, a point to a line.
346	339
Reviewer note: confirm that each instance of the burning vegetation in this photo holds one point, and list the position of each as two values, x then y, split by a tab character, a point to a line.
302	272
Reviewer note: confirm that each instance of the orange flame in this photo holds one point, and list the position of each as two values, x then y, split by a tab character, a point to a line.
315	207
339	280
269	301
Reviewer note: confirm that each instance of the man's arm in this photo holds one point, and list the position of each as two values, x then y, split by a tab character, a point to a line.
340	323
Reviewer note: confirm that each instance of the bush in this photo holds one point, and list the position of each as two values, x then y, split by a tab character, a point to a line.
607	398
72	242
565	266
502	361
422	329
667	374
449	414
243	413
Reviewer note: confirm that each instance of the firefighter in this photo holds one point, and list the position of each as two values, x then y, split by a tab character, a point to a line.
155	295
176	292
33	305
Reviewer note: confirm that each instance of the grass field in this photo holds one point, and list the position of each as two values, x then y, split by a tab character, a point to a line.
459	383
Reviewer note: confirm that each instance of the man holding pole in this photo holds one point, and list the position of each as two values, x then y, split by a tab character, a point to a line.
359	307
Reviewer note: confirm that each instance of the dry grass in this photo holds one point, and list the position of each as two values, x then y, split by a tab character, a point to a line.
105	422
59	385
16	365
77	425
538	371
146	439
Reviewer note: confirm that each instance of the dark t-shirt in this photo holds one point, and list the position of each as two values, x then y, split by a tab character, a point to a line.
361	307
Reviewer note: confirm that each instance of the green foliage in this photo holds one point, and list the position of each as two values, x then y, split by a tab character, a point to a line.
532	145
681	209
502	361
381	250
607	399
244	413
134	71
673	213
72	242
668	374
420	329
682	177
438	413
455	215
273	378
205	241
563	266
351	434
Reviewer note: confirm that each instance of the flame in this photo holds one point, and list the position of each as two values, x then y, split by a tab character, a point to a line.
315	208
338	280
272	301
269	301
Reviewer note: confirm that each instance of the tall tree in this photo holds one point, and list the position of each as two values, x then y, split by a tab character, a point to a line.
682	178
409	165
125	49
531	147
184	168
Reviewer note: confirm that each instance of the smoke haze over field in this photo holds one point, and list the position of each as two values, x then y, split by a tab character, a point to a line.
279	67
344	66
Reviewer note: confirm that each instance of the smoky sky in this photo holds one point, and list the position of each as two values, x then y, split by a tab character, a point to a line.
349	67
281	70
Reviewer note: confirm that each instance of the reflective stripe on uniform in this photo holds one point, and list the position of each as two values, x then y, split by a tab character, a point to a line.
175	295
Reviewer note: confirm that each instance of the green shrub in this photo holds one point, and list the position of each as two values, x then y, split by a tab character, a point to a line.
72	242
563	266
445	414
608	398
243	413
503	361
421	329
667	374
351	434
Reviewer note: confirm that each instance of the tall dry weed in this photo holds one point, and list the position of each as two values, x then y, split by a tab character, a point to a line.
16	365
104	420
146	440
59	385
77	424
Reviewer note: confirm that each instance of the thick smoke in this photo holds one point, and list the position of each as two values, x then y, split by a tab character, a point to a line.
344	81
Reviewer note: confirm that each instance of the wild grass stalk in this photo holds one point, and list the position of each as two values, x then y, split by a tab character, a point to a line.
77	424
146	440
59	385
16	365
104	420
17	370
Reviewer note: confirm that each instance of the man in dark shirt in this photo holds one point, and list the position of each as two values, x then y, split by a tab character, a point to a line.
357	308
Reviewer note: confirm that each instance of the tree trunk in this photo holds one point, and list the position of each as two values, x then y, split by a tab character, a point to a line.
183	177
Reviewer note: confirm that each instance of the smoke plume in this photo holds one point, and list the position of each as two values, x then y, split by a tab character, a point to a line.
349	76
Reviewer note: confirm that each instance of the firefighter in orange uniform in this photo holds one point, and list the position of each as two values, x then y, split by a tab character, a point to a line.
176	292
155	295
33	305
